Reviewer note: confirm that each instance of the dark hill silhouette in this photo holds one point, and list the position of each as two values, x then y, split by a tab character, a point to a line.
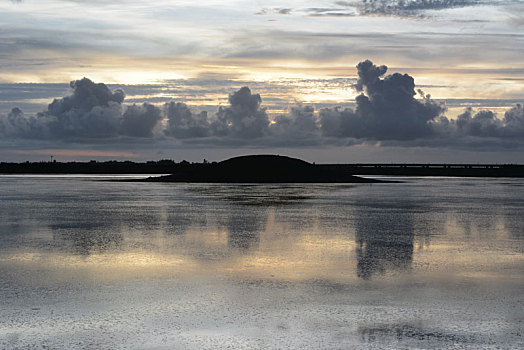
264	165
259	169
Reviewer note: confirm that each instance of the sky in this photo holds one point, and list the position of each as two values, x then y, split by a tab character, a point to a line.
326	81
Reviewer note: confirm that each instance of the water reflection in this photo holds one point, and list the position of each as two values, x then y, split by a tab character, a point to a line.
187	224
311	230
179	219
244	228
254	195
178	268
410	332
89	238
515	226
384	240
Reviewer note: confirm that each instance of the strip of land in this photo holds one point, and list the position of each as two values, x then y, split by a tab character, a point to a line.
256	164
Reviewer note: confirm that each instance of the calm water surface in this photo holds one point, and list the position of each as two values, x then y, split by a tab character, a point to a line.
428	263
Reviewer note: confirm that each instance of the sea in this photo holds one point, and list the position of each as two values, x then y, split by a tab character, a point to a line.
90	262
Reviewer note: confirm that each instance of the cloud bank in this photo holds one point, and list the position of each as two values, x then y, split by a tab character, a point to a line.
398	8
92	111
408	7
388	110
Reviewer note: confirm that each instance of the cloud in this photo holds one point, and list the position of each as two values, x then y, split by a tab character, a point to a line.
400	8
386	108
91	111
242	121
17	125
516	20
404	8
388	111
182	123
277	11
485	124
332	14
299	123
244	118
86	95
284	11
139	120
514	122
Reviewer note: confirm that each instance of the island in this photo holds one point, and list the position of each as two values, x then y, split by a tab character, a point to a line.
261	169
260	165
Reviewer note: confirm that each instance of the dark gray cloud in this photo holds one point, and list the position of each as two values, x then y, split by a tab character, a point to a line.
514	121
332	14
277	11
139	120
386	108
182	123
17	125
299	123
400	8
285	11
389	110
484	124
91	111
386	111
405	8
244	118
